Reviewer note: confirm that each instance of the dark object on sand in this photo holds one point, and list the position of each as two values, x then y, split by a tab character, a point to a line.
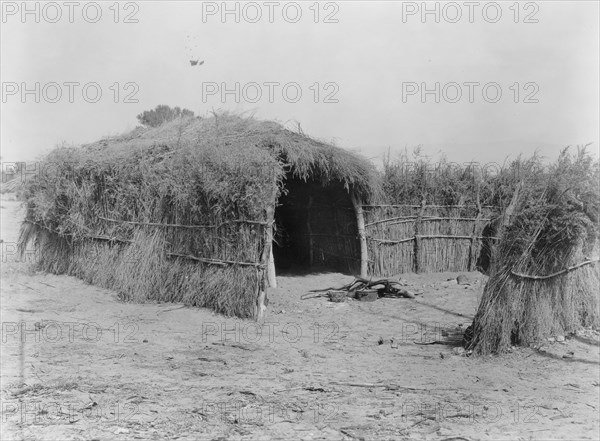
337	296
467	337
365	290
463	280
367	295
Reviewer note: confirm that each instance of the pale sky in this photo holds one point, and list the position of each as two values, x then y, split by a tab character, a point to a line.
364	60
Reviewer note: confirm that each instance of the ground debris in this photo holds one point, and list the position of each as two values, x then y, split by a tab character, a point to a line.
365	289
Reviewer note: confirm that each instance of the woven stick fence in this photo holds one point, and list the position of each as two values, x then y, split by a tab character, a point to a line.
425	238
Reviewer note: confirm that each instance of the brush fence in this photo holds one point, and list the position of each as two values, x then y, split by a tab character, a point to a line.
424	238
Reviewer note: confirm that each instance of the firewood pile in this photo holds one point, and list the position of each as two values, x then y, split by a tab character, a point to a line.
364	290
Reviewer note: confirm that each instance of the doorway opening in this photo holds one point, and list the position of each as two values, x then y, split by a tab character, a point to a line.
315	229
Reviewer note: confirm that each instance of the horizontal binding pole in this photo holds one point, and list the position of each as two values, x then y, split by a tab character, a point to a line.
558	273
400	218
155	224
390	206
333	236
386	241
429	218
431	206
199	259
108	239
407	221
425	218
217	262
442	236
457	237
90	236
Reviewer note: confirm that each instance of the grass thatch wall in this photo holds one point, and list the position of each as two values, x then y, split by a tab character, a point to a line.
545	276
179	212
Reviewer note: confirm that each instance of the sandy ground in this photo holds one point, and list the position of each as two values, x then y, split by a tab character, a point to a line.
78	364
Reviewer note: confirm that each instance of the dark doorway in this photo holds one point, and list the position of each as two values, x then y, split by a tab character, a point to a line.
315	229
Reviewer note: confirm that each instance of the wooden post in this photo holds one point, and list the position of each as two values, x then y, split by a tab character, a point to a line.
417	250
271	275
265	260
267	272
362	236
475	234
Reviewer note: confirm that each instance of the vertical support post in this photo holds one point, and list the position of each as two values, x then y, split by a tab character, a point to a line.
267	272
265	260
474	234
418	225
362	236
271	276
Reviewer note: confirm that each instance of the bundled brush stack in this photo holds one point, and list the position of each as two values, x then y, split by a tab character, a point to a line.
544	276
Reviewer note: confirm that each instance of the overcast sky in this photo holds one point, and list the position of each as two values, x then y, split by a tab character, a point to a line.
365	64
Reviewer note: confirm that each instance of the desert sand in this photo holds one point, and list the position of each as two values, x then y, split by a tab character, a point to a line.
77	364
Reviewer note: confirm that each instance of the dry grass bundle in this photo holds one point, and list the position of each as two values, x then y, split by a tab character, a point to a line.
410	179
538	285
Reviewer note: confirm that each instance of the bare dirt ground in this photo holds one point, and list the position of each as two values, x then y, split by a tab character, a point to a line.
78	364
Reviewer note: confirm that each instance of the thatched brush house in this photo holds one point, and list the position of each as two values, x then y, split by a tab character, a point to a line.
206	211
187	211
